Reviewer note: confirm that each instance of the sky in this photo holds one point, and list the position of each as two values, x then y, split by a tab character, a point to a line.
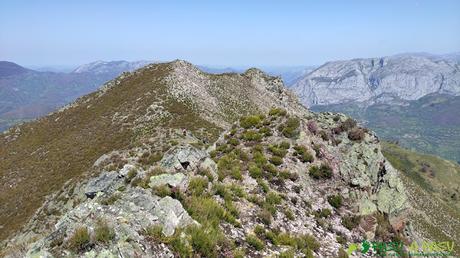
223	33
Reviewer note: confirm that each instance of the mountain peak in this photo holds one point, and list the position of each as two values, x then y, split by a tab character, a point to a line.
112	67
10	68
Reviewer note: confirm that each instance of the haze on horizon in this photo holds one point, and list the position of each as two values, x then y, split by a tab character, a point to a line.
236	33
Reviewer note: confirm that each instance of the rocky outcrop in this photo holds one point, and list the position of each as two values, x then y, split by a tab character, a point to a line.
380	80
247	187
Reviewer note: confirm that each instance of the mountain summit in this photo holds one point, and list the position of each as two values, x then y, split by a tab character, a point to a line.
171	161
10	68
112	67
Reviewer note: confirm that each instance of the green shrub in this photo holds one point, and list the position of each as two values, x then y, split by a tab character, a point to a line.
284	145
266	131
242	154
272	237
277	112
323	213
259	158
324	171
233	141
263	185
255	171
198	185
180	245
289	214
250	121
287	254
259	231
317	149
79	240
251	135
204	241
307	241
236	173
302	153
351	222
284	174
277	151
226	164
222	191
286	239
255	242
275	160
205	210
132	173
231	208
356	134
255	199
207	173
271	169
237	190
155	232
148	158
290	129
162	190
239	253
265	217
335	201
273	198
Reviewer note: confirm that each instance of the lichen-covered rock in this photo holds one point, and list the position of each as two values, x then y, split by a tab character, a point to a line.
106	182
183	158
172	215
172	180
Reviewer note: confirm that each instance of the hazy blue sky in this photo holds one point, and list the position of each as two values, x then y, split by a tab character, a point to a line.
246	32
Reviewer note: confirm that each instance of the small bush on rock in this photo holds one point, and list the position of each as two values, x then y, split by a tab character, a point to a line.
162	190
198	185
335	201
250	121
255	171
251	135
290	129
275	160
303	154
80	239
255	242
356	134
324	171
265	217
277	112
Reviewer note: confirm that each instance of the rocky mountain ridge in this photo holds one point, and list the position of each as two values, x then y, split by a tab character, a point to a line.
171	161
111	67
379	80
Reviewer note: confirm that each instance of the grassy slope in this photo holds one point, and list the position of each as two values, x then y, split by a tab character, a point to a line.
64	145
434	194
429	125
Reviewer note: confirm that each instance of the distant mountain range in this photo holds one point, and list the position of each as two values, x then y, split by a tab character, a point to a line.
380	80
26	94
413	99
